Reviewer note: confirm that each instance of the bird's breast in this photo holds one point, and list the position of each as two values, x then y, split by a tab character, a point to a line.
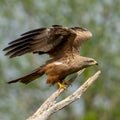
63	67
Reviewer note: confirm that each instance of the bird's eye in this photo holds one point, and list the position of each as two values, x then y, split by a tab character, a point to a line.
79	29
90	61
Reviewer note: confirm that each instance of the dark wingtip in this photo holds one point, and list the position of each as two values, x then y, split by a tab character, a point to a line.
5	49
12	81
9	82
57	26
34	31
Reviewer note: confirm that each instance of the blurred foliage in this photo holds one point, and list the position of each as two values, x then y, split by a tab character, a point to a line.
101	17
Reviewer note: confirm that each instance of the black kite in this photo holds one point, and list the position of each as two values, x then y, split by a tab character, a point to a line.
61	43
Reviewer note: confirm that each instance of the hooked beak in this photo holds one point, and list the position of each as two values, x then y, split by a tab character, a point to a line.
96	63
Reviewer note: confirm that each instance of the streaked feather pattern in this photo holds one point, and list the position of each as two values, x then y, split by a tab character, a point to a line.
45	40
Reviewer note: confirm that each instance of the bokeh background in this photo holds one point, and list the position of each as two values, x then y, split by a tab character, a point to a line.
102	17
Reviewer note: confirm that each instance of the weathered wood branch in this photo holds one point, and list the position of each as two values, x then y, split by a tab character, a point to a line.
50	106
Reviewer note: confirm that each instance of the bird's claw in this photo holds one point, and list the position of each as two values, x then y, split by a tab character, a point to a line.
64	84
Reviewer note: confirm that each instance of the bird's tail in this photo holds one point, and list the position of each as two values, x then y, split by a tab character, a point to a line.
30	77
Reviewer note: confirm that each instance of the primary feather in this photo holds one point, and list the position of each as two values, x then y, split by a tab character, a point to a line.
48	40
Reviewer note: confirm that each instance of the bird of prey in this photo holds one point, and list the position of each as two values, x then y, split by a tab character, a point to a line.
61	43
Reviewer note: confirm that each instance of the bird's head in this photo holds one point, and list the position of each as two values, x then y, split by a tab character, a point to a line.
89	62
86	62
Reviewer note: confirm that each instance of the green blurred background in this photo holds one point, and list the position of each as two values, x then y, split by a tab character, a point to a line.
102	17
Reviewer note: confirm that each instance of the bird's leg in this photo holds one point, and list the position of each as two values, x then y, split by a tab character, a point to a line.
63	85
60	85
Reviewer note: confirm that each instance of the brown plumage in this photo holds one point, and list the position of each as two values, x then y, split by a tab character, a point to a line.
61	43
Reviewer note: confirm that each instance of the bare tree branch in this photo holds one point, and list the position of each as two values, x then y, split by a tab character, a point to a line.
50	106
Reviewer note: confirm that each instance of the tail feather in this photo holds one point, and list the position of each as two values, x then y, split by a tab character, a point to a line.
30	77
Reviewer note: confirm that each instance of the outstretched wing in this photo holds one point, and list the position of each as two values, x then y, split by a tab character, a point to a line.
82	35
40	41
54	40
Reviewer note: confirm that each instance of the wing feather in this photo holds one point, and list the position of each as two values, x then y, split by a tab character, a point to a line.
82	35
41	40
33	31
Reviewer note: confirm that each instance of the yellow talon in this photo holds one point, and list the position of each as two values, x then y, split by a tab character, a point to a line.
61	85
